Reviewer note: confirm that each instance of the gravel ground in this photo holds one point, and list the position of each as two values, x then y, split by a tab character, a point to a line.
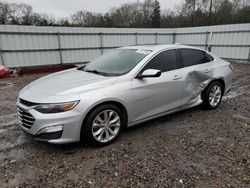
192	148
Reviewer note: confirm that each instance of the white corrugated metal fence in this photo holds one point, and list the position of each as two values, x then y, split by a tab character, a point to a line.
22	46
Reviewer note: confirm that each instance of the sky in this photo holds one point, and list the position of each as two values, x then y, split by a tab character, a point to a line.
65	8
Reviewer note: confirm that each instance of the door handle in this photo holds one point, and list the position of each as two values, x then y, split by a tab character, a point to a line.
176	77
207	71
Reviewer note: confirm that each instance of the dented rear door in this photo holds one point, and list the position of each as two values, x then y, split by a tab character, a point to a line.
197	73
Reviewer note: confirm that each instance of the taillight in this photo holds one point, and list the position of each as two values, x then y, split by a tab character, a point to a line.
231	67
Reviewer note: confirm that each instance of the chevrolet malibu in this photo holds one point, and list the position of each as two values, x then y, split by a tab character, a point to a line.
122	88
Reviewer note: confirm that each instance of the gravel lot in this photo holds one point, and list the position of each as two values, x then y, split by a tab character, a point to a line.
193	148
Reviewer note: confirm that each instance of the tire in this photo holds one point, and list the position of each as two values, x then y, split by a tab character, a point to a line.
212	95
98	129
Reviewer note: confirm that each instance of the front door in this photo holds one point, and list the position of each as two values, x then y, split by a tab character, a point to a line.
153	96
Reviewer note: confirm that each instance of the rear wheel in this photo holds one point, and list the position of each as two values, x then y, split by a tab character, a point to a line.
103	125
212	95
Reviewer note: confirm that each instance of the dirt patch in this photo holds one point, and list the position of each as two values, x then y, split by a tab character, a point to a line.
193	148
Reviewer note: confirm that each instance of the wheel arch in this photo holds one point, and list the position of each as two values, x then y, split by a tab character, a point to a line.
116	103
221	80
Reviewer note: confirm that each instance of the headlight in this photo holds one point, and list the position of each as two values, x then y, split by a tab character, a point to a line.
56	108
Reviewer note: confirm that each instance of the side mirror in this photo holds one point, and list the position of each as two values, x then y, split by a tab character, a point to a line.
149	73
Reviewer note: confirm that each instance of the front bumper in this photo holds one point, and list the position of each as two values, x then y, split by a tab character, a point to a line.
57	128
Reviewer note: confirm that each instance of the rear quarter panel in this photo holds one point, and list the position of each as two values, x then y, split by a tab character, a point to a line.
223	71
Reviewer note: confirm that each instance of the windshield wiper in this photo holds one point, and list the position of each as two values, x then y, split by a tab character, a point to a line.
81	67
96	72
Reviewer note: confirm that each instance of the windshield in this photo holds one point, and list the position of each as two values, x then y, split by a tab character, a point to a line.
116	62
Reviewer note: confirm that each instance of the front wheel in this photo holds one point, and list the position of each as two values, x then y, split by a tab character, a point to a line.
212	95
103	125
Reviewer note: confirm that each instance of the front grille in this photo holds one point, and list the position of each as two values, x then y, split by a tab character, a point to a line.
25	118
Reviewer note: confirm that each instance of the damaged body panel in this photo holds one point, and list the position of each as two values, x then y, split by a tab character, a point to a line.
196	79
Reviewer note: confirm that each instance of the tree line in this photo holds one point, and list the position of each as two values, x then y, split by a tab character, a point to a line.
147	14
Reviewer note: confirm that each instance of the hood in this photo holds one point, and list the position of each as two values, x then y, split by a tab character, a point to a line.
68	82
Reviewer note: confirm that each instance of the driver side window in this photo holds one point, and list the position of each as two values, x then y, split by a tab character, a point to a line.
165	61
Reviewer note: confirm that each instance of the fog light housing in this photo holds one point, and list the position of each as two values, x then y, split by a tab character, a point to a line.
49	133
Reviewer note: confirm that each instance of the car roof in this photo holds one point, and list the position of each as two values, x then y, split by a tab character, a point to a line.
158	47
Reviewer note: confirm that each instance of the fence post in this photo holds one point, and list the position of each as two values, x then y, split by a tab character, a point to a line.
60	48
174	37
249	55
136	39
1	53
206	41
101	42
156	38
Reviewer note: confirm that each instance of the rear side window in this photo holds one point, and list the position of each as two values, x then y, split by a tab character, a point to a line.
192	57
208	58
165	61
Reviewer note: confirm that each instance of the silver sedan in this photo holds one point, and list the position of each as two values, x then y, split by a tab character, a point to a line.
121	88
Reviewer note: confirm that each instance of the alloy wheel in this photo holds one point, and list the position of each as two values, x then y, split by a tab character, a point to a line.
106	126
215	95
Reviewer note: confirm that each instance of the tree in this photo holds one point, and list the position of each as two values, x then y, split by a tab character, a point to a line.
210	12
191	4
87	19
168	18
156	15
127	15
242	15
138	14
4	13
27	14
223	12
107	20
147	10
64	22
